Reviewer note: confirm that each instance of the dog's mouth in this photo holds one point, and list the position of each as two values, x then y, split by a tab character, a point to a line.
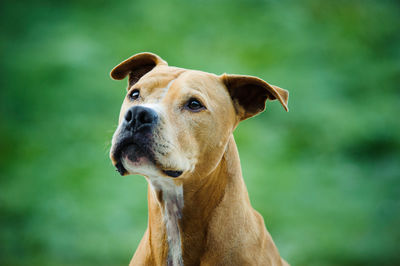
128	149
130	152
172	173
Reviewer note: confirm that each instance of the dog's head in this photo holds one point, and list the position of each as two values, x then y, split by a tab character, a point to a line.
175	121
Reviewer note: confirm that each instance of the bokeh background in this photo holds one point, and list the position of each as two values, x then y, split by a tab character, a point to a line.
325	176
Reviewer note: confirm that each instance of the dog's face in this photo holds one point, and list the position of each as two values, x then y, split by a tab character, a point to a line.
175	122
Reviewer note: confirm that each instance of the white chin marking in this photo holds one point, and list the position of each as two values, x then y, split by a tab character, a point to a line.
172	196
141	167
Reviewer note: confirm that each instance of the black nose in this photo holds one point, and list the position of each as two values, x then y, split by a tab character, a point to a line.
138	117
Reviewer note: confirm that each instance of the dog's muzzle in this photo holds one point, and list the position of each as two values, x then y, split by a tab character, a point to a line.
135	136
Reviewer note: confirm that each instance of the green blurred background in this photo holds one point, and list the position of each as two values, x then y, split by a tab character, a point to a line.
326	175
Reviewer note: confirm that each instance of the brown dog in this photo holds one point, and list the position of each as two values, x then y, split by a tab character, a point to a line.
175	128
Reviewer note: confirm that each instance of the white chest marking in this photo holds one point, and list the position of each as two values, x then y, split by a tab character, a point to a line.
172	196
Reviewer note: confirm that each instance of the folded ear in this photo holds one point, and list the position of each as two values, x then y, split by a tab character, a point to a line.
136	66
249	94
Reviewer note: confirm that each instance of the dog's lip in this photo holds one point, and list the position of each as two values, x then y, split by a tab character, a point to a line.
173	173
117	155
120	168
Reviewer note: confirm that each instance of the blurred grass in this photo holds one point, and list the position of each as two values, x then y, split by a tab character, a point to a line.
325	175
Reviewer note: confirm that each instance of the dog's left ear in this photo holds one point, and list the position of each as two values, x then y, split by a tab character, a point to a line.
249	94
136	67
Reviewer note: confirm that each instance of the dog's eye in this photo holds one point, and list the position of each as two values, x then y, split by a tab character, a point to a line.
134	95
194	105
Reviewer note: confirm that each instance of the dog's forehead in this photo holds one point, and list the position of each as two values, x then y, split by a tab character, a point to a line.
159	77
199	80
166	77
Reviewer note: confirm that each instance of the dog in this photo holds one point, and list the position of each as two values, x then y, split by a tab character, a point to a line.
176	129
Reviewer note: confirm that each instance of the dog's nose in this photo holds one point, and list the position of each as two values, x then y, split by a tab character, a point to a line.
138	117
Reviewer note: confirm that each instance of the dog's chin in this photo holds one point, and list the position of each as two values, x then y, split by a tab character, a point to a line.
134	161
139	166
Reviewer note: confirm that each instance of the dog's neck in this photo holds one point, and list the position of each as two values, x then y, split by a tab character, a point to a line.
179	213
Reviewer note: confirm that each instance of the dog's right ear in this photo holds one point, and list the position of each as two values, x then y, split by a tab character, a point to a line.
136	66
